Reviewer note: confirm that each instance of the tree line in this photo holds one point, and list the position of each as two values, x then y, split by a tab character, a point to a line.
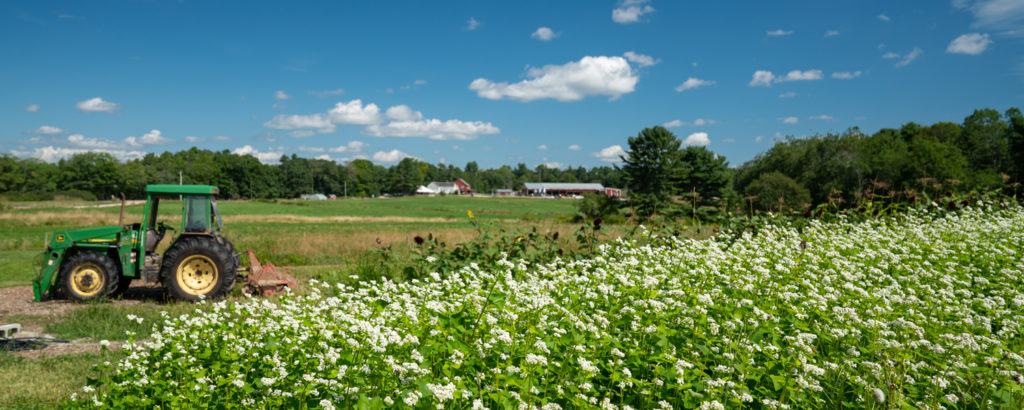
914	162
985	151
93	175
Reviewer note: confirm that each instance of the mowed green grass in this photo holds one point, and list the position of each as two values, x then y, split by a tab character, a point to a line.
332	233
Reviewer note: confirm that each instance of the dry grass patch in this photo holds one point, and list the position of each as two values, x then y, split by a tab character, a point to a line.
287	218
67	218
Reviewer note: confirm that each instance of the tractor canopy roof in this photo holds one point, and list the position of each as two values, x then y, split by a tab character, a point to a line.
182	189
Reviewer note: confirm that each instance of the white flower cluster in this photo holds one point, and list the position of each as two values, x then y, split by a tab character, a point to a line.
919	311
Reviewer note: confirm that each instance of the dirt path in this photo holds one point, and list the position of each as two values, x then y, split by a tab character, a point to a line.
17	301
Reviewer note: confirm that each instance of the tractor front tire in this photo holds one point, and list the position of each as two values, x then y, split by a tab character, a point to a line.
198	267
88	275
123	284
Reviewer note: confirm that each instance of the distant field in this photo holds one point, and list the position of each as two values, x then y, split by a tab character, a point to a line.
322	235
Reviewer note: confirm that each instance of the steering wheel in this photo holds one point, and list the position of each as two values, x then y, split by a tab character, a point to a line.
162	228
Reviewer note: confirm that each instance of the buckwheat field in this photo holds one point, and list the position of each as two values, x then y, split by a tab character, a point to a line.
922	310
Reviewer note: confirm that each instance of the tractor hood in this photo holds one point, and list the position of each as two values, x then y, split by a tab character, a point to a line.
98	236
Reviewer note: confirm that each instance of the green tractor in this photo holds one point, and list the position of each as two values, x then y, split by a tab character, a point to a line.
94	263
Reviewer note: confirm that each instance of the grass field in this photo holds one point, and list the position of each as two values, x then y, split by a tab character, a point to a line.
327	240
331	235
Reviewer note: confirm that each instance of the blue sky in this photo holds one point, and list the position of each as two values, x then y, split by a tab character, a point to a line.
557	83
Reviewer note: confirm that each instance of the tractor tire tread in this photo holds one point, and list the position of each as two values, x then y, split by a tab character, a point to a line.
217	250
104	262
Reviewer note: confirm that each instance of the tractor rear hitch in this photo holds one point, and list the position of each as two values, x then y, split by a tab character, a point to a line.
266	279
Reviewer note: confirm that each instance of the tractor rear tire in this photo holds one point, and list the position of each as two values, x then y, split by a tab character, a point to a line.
88	275
198	267
234	257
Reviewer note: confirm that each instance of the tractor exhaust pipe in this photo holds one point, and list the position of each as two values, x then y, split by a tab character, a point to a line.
120	219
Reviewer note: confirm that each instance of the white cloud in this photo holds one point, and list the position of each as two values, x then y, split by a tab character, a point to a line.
390	157
729	140
544	34
52	153
1006	16
553	164
266	157
404	122
433	128
302	133
574	147
403	113
697	122
149	138
281	95
97	105
762	78
789	120
641	59
337	91
846	75
630	11
80	140
692	83
797	75
697	139
318	122
890	55
822	117
610	154
571	81
542	147
32	108
472	24
47	130
353	147
831	33
787	94
759	138
972	44
195	139
419	82
765	78
906	59
884	17
315	150
779	33
353	112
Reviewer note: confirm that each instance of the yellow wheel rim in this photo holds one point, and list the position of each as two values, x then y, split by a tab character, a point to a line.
197	275
87	280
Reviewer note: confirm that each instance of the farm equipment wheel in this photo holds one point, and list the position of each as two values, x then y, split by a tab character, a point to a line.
123	283
198	267
88	275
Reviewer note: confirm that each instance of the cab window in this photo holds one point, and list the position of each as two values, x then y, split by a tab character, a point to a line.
197	213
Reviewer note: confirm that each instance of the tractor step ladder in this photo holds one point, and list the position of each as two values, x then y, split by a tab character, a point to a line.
8	331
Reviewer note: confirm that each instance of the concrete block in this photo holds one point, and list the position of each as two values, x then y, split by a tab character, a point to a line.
8	331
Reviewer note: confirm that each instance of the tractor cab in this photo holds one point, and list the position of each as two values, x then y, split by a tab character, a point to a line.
199	213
